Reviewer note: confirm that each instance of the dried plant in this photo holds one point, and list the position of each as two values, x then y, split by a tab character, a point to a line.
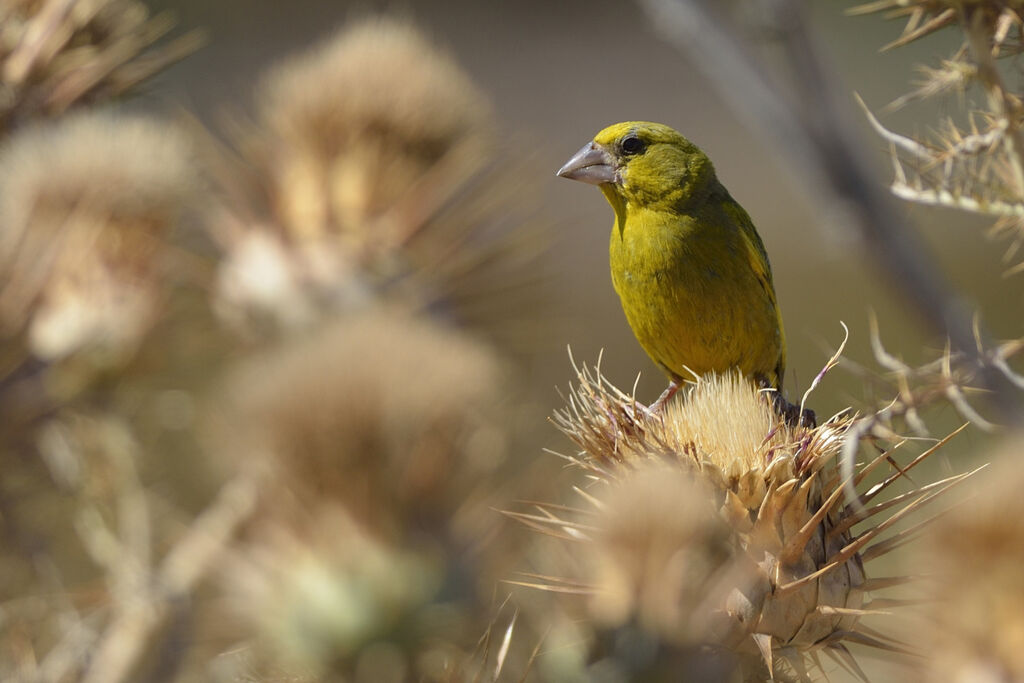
373	159
90	207
661	557
314	499
763	572
344	513
387	415
974	164
113	578
972	161
380	451
86	207
55	54
338	601
339	156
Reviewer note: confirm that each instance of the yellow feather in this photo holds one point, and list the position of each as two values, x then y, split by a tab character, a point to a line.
686	261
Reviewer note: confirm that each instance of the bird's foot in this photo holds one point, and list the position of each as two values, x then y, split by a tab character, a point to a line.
789	412
792	414
655	408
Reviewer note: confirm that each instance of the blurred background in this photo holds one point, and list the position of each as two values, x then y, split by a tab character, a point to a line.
407	452
559	72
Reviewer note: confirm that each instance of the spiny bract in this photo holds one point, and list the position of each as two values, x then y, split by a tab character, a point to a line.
766	572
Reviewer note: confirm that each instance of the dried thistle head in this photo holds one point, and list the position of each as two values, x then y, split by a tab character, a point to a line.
384	414
56	54
355	123
373	156
334	600
86	207
724	424
975	613
776	529
660	554
377	434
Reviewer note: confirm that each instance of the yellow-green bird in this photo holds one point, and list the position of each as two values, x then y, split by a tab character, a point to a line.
690	268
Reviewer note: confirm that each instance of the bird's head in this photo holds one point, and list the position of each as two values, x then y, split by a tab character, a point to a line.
642	164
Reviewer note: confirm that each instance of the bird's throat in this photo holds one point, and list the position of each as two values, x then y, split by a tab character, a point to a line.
615	198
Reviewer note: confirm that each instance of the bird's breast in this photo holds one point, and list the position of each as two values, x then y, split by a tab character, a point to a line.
689	293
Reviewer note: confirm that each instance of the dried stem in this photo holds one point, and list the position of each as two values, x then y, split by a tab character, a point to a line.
126	638
978	33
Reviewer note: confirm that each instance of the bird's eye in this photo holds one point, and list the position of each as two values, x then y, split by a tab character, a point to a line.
631	144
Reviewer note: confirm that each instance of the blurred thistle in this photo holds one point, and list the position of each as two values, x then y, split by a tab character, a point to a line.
661	563
385	414
974	609
659	551
72	502
374	163
354	532
111	569
57	53
336	601
86	207
377	438
778	574
333	601
356	122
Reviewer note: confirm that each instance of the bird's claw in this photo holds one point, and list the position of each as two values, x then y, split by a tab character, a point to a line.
654	410
792	414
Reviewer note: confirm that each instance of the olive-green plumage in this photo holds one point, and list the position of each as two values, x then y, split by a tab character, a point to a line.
686	261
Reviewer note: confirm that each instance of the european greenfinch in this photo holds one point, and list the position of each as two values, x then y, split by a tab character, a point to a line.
690	268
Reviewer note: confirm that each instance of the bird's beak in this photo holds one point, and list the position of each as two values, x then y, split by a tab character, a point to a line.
592	164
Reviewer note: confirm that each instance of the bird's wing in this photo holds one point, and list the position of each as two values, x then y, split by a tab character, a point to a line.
762	269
